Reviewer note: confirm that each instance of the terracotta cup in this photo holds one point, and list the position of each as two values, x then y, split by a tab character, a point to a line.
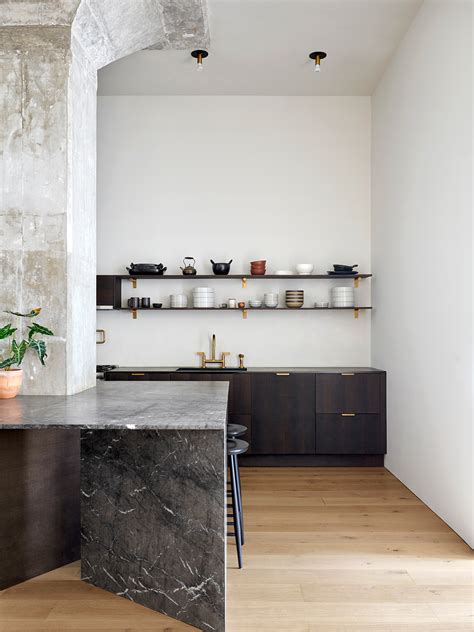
10	383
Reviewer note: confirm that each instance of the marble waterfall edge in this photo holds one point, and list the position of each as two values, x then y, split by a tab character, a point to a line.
153	519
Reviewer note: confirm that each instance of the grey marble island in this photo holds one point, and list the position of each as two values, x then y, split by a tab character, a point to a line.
152	488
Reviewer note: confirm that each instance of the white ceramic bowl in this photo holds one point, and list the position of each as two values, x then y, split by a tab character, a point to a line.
255	303
321	304
304	268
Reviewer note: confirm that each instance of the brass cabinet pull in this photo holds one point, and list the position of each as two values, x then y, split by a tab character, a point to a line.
103	339
282	374
348	414
137	374
347	373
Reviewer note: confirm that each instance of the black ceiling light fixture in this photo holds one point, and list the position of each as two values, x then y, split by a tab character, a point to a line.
317	56
199	55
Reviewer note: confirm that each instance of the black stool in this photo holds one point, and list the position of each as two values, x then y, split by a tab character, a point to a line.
235	447
235	430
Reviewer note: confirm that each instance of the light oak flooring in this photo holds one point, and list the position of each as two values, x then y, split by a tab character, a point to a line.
327	550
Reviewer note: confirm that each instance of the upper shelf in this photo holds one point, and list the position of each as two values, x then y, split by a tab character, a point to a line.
162	277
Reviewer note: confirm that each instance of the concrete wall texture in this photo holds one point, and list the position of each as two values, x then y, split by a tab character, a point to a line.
49	55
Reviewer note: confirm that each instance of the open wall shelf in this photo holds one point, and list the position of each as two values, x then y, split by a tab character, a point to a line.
109	291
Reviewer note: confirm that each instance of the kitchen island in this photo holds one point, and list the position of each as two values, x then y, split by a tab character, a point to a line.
152	492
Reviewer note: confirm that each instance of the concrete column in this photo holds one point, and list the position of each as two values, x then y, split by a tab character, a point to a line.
50	51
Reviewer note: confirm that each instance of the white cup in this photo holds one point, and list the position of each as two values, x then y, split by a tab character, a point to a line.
232	302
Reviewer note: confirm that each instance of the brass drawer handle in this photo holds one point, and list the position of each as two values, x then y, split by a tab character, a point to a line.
348	414
282	374
102	339
137	374
347	374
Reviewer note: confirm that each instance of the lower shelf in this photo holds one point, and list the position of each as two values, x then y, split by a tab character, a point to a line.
243	310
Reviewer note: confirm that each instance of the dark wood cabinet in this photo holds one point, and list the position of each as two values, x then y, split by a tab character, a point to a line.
300	418
108	291
239	387
348	392
350	434
283	413
134	376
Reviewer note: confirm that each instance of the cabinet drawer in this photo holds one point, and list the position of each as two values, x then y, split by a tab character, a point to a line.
355	434
349	393
134	376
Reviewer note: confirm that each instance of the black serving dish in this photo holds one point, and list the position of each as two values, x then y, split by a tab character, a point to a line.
146	268
338	267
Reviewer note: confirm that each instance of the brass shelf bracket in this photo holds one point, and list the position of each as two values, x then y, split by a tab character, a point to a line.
133	281
244	314
356	312
244	282
356	282
134	314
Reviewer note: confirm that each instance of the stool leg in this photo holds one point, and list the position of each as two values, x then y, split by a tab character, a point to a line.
236	512
239	494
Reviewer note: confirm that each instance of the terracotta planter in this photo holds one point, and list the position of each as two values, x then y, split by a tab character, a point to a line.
10	383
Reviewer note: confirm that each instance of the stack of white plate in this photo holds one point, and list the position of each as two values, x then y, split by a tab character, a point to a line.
203	297
270	299
178	300
343	297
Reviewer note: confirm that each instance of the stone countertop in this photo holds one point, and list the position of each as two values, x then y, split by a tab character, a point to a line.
255	369
134	405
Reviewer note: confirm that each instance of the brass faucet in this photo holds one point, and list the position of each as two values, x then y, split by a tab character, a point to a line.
213	360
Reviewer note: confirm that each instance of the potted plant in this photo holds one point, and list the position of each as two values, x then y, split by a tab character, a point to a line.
11	375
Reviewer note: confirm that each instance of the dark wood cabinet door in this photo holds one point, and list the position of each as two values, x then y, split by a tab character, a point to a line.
239	387
283	413
349	392
357	434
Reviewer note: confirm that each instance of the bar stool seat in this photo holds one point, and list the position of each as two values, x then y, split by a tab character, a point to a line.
236	447
235	430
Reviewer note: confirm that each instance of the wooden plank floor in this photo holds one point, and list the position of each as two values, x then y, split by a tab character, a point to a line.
327	550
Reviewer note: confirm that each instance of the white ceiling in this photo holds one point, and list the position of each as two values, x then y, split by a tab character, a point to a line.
261	47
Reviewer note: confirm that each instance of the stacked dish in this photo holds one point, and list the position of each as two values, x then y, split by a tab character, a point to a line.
179	301
258	268
343	297
284	272
203	297
255	303
270	299
294	298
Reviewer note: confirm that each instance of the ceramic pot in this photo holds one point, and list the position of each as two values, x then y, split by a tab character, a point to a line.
10	383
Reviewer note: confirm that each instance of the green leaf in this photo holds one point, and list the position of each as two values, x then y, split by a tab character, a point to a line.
6	331
6	363
19	350
32	314
35	328
40	347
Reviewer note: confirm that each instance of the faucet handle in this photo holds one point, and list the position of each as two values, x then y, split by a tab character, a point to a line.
241	361
203	359
223	355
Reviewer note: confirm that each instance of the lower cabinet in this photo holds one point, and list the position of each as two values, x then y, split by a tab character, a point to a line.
350	434
283	413
288	415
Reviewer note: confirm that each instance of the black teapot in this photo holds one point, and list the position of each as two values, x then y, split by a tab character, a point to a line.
221	268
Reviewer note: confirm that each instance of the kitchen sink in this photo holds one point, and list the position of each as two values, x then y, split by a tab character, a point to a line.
193	369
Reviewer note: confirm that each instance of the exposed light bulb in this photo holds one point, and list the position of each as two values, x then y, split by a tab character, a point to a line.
199	66
317	67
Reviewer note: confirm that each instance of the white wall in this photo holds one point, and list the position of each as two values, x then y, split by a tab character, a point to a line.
422	252
286	179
